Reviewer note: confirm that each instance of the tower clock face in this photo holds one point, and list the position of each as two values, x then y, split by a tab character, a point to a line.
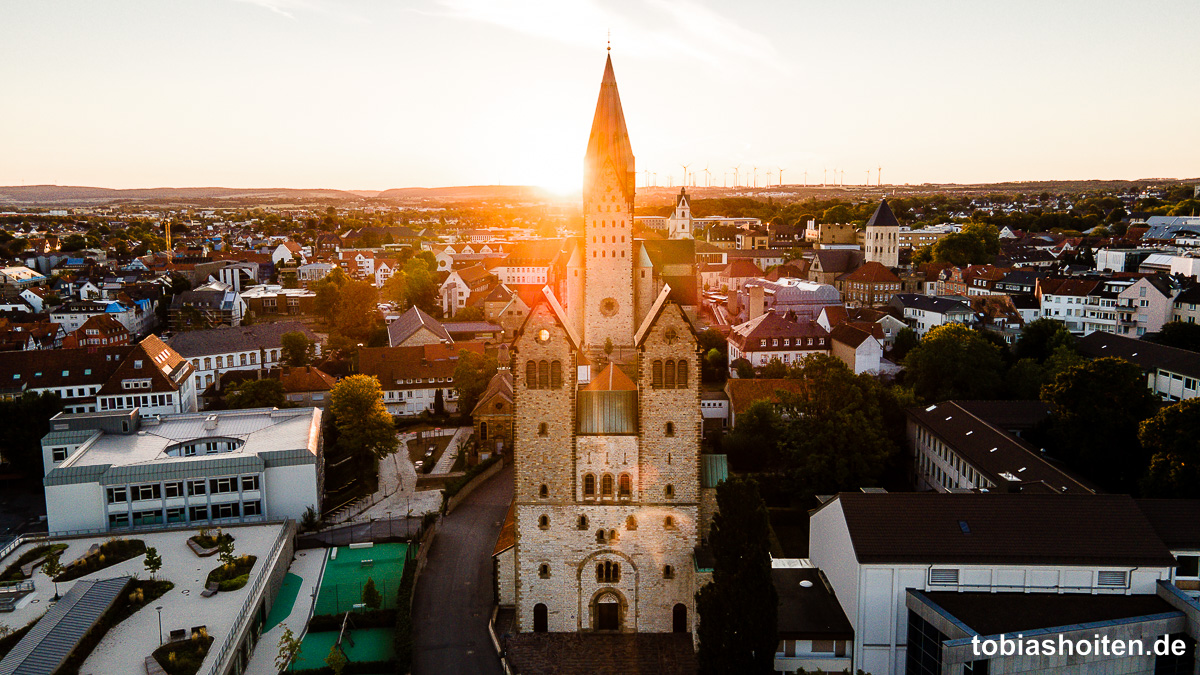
609	307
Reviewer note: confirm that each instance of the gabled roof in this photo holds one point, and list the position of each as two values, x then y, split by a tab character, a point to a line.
306	378
771	325
1147	355
408	323
744	392
193	343
508	531
871	273
611	378
994	528
740	267
837	260
500	385
849	335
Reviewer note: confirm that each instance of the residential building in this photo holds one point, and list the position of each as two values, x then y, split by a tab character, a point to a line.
1170	372
217	350
137	316
829	264
771	336
1183	307
101	330
804	299
737	273
306	386
971	445
208	306
270	300
825	234
148	375
926	236
465	288
15	279
1146	305
925	312
413	376
857	347
118	471
884	554
415	327
871	285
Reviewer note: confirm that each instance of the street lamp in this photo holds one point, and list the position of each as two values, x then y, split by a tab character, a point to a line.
160	640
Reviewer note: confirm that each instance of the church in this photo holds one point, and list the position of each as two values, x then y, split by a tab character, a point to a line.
611	491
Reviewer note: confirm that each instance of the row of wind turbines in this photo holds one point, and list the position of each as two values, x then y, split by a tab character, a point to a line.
690	178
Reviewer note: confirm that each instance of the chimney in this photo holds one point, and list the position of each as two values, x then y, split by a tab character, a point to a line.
731	301
755	304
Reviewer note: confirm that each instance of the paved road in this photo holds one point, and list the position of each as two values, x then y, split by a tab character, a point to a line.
453	600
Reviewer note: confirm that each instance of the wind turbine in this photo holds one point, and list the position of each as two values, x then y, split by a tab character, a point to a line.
755	176
824	177
769	172
707	177
655	179
647	172
685	168
806	178
879	175
781	169
736	175
868	177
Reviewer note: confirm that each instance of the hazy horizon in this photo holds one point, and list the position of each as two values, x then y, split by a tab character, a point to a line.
369	96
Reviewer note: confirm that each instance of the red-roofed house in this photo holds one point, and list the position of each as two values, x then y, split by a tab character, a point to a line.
871	285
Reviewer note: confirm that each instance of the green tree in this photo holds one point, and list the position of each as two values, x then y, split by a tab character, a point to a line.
328	290
422	286
356	313
474	313
439	403
289	649
752	444
774	369
153	562
1041	337
472	375
370	595
836	436
837	214
988	236
225	550
364	426
1097	408
716	366
906	339
960	249
743	368
737	630
954	362
23	423
337	660
52	567
297	349
1172	440
1178	334
266	393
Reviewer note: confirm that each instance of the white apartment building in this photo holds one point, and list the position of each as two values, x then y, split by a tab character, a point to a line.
216	350
117	471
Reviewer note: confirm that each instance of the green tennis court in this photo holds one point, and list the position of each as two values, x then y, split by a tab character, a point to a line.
370	644
348	569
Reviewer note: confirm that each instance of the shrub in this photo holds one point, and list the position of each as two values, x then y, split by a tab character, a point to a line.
111	552
234	583
206	540
232	576
13	571
402	642
183	658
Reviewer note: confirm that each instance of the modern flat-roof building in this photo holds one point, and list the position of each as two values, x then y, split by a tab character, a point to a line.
1171	373
891	559
117	470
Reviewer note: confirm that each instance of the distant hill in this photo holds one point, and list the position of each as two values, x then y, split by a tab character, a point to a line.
470	193
25	195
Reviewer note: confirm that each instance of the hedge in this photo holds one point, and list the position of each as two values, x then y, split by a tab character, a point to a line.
232	577
111	552
13	571
402	641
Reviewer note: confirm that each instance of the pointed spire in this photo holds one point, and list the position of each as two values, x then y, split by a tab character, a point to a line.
609	139
883	216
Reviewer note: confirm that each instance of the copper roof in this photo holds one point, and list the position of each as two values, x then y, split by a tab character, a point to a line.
609	139
611	378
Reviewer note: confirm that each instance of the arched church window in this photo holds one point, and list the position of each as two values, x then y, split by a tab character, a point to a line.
582	523
543	429
600	536
608	572
622	254
670	430
544	571
669	491
669	374
543	375
603	254
544	522
613	536
625	485
606	485
656	374
602	240
531	375
682	380
668	523
556	374
589	485
631	523
544	491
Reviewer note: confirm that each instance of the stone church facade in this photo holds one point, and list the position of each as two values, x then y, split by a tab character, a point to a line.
607	505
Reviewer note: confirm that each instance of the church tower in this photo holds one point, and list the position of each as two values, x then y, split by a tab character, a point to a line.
882	241
679	224
608	506
608	187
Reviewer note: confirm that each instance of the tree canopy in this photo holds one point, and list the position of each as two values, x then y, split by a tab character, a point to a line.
1178	334
1097	408
738	610
363	423
1172	440
954	362
471	377
267	393
297	349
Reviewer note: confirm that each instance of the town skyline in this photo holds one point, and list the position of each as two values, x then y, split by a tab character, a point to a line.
367	96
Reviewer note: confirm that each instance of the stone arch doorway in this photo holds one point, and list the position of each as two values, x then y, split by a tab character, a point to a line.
540	619
608	609
679	622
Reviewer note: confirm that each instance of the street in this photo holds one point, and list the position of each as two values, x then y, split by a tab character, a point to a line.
454	597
